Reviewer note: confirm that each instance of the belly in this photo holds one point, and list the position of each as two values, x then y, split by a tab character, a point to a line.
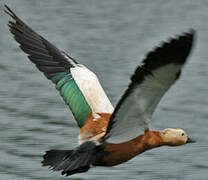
119	153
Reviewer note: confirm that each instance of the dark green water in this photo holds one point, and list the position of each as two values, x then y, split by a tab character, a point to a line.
111	37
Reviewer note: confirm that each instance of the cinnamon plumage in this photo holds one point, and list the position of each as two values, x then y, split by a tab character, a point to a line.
107	136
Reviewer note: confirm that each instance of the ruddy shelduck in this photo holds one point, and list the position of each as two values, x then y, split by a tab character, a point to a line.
107	136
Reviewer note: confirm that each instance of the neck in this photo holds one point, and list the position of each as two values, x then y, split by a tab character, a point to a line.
150	139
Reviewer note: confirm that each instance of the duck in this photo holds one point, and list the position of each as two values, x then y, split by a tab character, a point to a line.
108	136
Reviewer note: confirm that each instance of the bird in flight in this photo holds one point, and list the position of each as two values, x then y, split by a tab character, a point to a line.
107	136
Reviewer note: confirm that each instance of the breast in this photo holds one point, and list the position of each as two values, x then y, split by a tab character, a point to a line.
119	153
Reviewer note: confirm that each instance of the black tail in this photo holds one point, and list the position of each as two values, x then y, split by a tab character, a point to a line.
73	161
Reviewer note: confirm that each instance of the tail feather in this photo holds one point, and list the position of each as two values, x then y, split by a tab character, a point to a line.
53	157
78	170
73	161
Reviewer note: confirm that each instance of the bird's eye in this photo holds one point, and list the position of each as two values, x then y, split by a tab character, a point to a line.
182	134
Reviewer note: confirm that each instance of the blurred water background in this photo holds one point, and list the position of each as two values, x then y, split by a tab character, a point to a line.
111	37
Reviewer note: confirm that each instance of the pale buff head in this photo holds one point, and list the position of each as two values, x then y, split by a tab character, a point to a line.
175	137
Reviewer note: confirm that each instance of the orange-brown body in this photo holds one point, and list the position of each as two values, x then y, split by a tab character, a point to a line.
119	153
94	127
122	152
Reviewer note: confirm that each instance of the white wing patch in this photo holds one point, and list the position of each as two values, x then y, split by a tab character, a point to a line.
93	92
136	111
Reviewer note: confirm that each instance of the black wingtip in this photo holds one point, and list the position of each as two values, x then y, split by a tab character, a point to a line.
191	31
175	50
190	34
190	37
185	39
8	11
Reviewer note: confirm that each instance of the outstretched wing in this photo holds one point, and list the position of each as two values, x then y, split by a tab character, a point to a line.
160	69
79	87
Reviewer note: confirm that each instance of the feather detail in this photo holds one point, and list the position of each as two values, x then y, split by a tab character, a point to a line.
160	69
79	87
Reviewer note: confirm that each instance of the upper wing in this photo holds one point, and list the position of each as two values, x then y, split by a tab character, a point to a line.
79	87
160	69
